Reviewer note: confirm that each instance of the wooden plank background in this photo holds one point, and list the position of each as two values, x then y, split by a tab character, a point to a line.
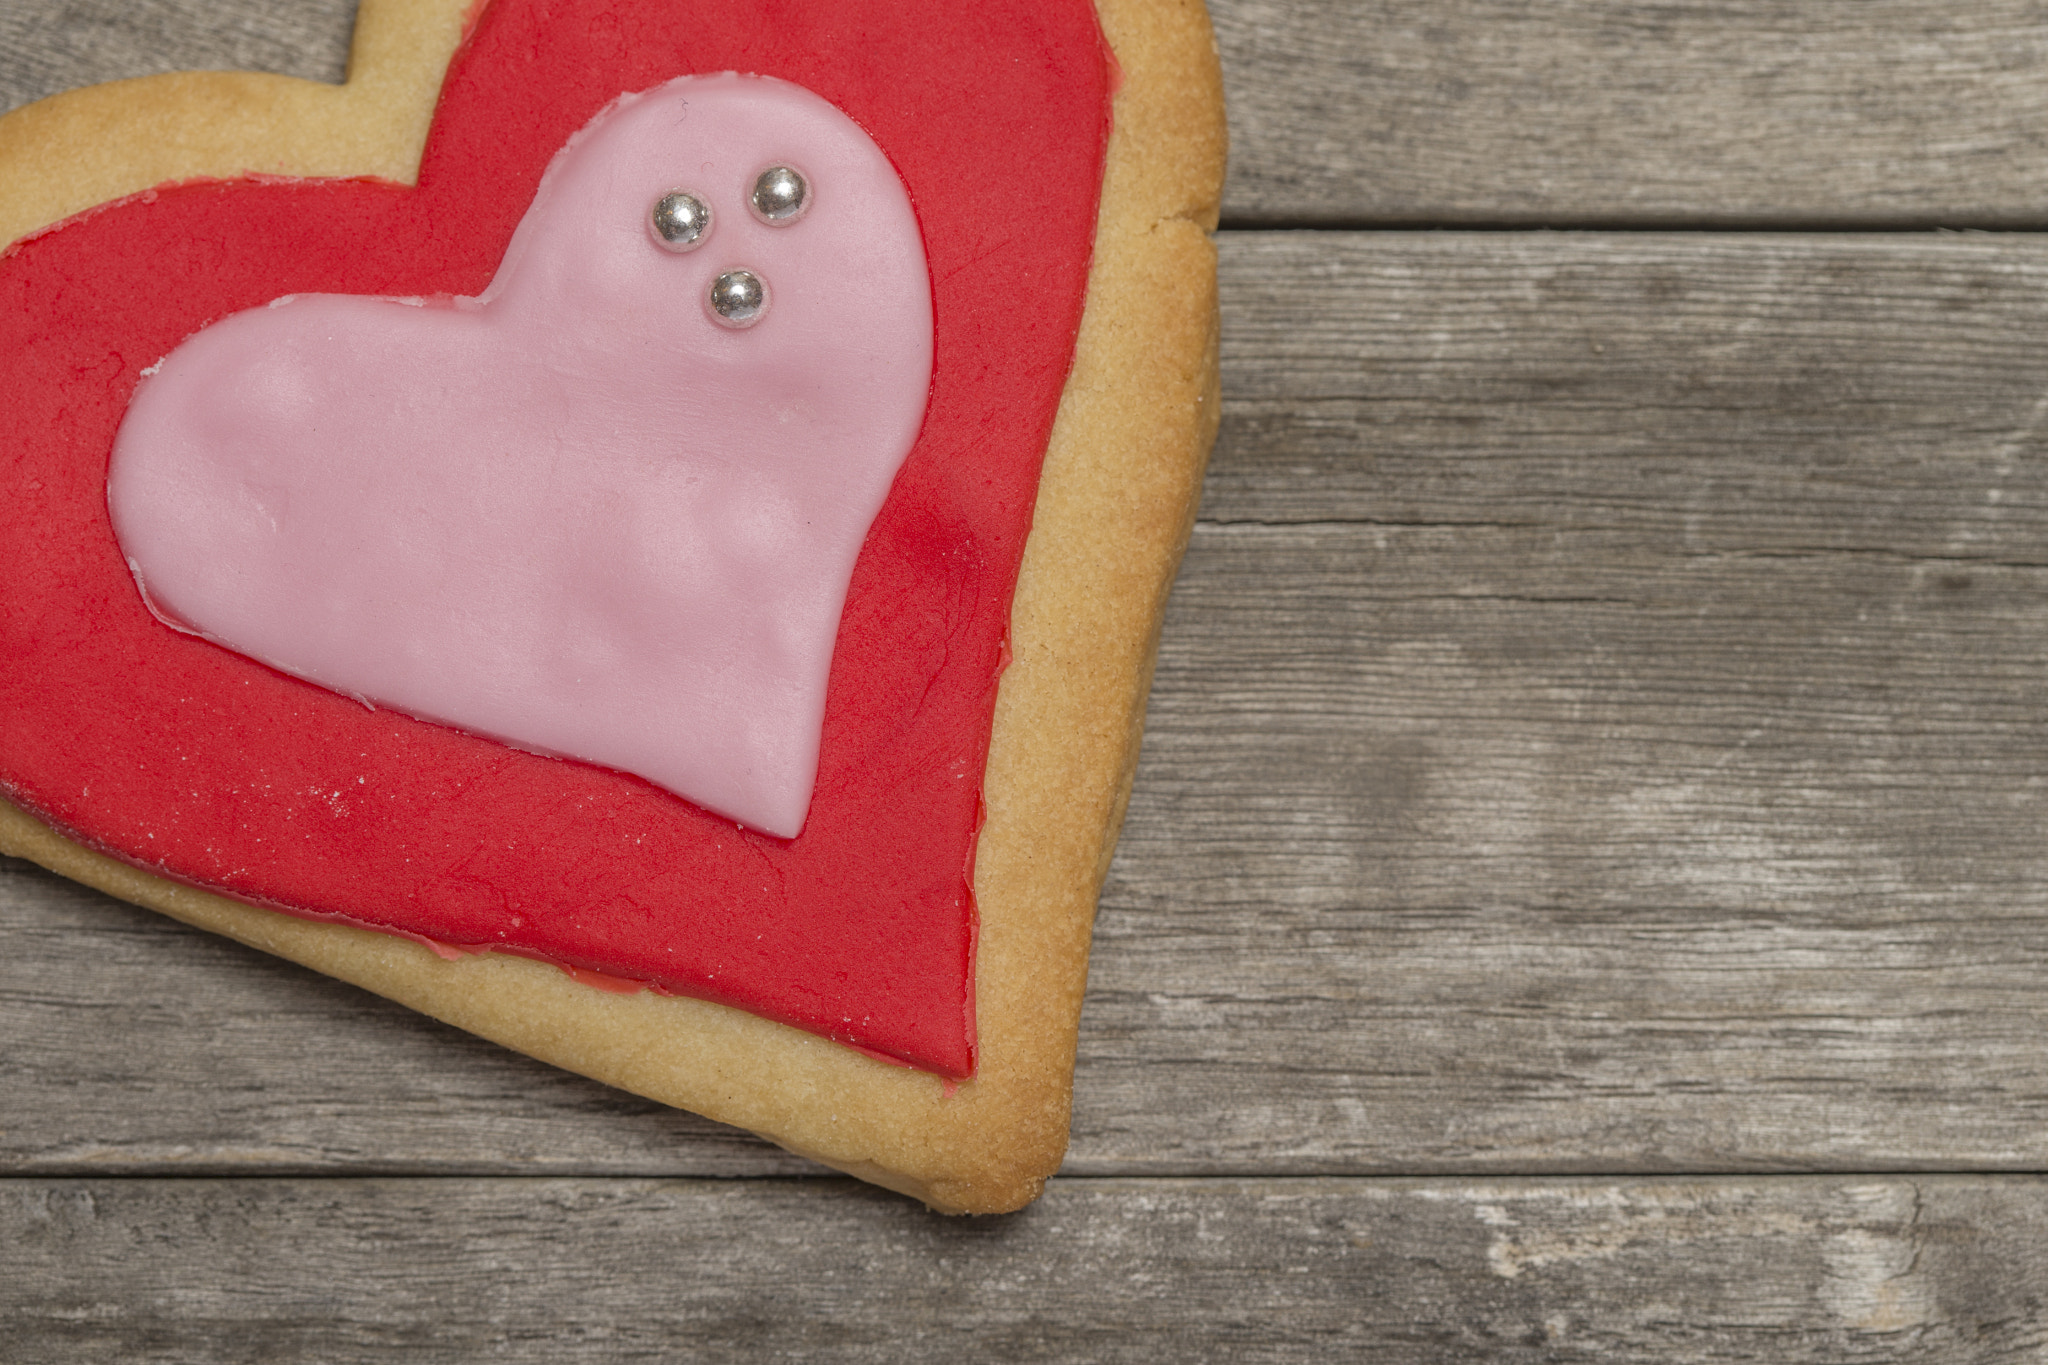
1583	896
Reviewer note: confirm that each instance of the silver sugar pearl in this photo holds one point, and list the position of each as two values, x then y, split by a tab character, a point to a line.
781	194
739	298
680	220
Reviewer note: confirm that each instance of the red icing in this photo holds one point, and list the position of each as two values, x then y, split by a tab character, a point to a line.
180	757
617	985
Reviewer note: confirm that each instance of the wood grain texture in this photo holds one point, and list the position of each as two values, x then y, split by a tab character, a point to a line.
1599	728
1786	1271
1601	719
1706	393
49	46
1612	111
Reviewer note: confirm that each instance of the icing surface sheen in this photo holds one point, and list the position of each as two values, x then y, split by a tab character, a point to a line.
574	513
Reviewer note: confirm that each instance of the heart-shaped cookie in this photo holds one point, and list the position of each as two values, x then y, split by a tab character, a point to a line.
586	513
172	764
167	751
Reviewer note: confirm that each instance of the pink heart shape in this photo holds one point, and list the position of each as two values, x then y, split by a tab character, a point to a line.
576	513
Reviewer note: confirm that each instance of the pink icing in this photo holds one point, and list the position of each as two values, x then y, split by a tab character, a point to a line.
574	513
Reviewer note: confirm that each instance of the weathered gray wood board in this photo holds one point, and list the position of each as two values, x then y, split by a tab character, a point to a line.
48	46
1601	718
1836	1271
1600	727
1357	112
1612	111
1788	394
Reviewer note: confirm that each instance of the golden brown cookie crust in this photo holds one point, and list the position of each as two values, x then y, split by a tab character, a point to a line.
1115	504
